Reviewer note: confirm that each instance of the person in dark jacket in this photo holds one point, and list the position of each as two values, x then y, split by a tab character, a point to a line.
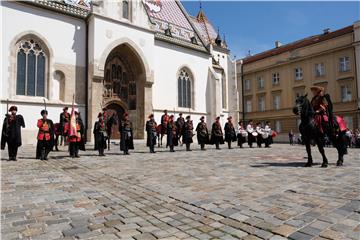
151	127
217	136
126	134
172	134
64	125
180	121
242	134
188	133
100	134
230	134
45	136
11	132
202	133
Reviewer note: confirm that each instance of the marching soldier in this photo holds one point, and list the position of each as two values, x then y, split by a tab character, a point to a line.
267	130
251	133
64	125
77	138
45	136
164	122
126	133
202	133
242	134
172	134
188	133
217	137
180	121
259	131
11	132
230	135
100	134
151	133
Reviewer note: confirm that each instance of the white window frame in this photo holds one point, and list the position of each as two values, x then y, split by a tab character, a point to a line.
247	85
248	106
261	103
298	73
261	82
345	93
344	64
276	102
319	69
275	79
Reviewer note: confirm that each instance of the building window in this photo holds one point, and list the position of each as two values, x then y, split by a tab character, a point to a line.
260	82
261	102
344	64
349	122
31	69
184	89
248	106
345	93
125	9
223	86
276	79
247	85
276	102
298	73
319	69
278	126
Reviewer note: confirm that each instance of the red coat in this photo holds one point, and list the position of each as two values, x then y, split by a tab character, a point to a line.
45	129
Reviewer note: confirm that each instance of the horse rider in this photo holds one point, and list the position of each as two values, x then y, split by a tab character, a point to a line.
320	106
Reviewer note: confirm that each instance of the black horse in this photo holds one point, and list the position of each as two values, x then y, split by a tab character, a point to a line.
313	135
113	120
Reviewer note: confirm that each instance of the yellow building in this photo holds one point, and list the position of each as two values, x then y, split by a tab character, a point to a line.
272	80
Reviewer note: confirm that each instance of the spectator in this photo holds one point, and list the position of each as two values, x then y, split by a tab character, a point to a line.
291	137
348	136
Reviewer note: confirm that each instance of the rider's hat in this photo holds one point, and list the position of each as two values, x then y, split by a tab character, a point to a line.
317	89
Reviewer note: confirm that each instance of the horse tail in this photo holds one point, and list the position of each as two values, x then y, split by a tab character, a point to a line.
331	113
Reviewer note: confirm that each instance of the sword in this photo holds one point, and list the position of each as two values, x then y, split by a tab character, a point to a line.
44	103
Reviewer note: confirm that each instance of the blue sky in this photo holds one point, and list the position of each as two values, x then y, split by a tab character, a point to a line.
255	26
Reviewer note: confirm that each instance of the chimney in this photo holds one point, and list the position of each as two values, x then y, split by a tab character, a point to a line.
278	44
326	30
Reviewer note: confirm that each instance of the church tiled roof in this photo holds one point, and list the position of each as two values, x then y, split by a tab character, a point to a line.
170	14
205	28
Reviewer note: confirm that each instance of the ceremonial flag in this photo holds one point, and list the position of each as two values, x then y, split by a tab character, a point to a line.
72	128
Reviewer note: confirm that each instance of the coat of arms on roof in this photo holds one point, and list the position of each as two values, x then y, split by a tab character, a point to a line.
153	5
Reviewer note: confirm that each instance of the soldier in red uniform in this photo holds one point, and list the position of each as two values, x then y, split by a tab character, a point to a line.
180	121
76	142
188	133
320	106
11	132
164	122
126	133
45	136
151	127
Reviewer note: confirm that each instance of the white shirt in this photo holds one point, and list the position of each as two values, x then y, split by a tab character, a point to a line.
249	128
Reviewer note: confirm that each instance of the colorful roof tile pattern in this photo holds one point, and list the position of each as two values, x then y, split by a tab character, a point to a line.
170	14
205	28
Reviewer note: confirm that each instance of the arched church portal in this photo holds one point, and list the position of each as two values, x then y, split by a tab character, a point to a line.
123	86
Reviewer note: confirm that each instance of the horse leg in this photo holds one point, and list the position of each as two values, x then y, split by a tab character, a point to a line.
108	146
322	151
308	150
341	148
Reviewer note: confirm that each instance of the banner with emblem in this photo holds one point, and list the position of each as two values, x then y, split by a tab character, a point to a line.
72	128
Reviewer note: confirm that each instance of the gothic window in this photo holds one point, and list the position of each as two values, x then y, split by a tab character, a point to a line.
184	89
125	9
31	69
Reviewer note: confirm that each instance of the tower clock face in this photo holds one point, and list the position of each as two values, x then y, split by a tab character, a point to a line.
153	5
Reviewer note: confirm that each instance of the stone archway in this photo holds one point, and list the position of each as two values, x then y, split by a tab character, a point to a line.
124	82
116	109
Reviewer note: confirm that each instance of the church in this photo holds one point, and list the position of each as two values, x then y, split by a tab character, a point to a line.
139	57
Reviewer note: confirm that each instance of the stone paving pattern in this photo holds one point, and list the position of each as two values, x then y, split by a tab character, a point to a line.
227	194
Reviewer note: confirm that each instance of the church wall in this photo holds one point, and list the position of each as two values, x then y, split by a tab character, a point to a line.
64	39
169	59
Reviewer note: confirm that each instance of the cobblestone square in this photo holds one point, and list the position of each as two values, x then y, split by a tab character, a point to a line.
227	194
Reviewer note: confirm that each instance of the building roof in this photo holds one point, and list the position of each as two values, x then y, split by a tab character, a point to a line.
169	14
298	44
78	8
207	30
